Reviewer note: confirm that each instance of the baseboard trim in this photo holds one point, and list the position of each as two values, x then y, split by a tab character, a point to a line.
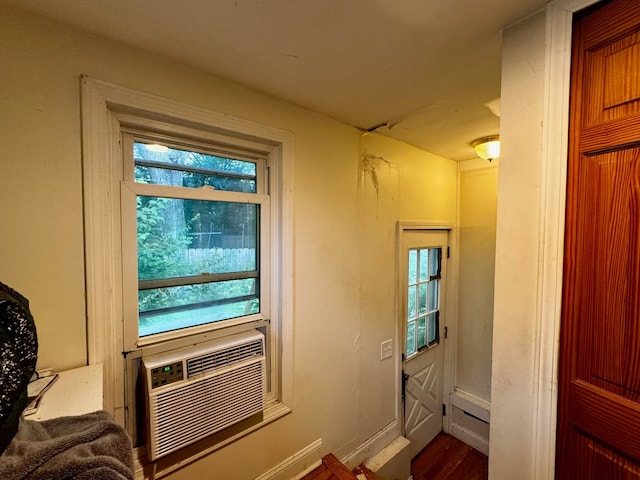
470	438
473	434
387	454
372	446
468	402
297	465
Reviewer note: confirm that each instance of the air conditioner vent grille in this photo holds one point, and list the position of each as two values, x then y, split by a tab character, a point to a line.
184	415
224	358
224	383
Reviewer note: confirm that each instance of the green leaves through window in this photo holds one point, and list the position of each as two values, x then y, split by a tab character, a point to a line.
198	258
423	298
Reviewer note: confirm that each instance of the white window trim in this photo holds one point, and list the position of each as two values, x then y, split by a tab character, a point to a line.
130	189
102	172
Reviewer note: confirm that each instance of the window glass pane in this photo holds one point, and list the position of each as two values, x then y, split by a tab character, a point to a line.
434	287
411	338
172	308
424	269
423	297
413	266
422	332
161	165
434	334
411	304
422	301
434	262
179	237
189	242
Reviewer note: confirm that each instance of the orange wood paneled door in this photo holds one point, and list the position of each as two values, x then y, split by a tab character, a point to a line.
599	398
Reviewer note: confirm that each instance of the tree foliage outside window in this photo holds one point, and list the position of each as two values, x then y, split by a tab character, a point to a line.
183	238
423	298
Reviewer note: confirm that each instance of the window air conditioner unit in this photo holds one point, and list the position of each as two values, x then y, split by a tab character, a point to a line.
196	391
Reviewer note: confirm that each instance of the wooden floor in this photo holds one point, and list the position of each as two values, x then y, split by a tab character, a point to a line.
447	458
332	469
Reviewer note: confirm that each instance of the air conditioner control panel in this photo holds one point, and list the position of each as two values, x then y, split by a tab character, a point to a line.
166	374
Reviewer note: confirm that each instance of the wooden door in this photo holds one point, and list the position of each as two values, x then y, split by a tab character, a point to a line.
422	285
599	377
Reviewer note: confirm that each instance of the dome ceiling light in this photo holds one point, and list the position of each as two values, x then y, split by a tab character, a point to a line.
487	147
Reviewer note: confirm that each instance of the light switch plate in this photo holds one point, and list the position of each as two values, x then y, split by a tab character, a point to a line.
386	349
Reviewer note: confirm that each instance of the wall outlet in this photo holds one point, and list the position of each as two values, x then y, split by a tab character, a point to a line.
386	349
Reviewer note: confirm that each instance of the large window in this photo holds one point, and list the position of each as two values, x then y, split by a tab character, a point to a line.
198	241
188	230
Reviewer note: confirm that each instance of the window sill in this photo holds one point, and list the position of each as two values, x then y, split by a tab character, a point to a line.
75	392
273	412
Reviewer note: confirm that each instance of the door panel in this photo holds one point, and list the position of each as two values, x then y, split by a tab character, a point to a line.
599	376
423	397
422	283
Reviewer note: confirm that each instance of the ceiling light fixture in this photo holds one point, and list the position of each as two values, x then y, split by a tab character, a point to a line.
487	147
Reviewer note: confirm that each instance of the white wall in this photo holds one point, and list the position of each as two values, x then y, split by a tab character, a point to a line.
345	210
517	252
396	182
477	246
529	246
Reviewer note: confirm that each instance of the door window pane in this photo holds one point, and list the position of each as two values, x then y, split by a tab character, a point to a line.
424	265
423	299
411	338
432	326
434	262
413	266
411	307
422	332
422	302
434	291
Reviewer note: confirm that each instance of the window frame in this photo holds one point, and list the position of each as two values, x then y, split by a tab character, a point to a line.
131	189
106	110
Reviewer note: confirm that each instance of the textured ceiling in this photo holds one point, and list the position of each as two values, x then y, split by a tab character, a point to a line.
421	71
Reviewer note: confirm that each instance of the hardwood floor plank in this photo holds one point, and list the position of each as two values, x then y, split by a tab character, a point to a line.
447	458
472	467
319	473
337	468
331	469
325	475
433	453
